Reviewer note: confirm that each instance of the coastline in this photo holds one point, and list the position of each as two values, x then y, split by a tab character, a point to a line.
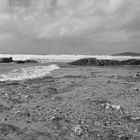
73	102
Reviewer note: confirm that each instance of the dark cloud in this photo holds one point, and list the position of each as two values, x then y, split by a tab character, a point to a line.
100	21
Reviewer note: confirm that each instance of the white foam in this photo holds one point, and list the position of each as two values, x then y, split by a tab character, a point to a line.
63	58
27	73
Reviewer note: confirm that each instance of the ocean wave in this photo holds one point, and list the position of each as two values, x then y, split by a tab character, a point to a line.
28	73
63	58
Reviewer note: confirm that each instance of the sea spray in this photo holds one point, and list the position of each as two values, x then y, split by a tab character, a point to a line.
28	73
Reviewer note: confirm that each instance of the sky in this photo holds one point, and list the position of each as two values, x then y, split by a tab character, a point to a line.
69	26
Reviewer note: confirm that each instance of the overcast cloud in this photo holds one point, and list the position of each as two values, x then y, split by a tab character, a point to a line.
103	21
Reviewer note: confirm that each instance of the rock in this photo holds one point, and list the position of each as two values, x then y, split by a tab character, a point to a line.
85	62
107	106
20	62
108	81
103	62
131	119
116	107
135	75
10	60
6	60
135	89
78	130
56	118
130	62
26	61
97	123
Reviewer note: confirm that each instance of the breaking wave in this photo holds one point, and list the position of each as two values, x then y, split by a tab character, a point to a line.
28	73
63	58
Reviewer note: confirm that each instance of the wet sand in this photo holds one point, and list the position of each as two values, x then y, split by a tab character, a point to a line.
73	103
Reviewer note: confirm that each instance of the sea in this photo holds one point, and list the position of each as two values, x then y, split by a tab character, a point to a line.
47	63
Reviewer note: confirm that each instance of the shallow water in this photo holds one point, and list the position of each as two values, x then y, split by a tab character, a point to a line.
24	71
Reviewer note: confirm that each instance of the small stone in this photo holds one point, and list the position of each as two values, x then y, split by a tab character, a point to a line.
135	118
108	106
26	96
116	107
136	75
78	130
88	98
97	123
135	89
52	117
108	81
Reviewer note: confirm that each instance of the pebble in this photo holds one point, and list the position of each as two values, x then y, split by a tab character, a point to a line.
136	75
108	106
97	123
135	89
116	107
78	130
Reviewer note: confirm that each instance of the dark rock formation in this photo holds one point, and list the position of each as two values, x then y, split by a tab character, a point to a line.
10	60
86	61
25	61
130	62
6	60
103	62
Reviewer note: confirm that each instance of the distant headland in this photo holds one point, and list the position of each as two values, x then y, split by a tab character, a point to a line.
126	54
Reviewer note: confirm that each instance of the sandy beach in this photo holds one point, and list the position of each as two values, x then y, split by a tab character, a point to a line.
73	103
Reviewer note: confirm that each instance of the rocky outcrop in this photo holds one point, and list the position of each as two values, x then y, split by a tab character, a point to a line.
10	60
130	62
26	61
103	62
6	60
